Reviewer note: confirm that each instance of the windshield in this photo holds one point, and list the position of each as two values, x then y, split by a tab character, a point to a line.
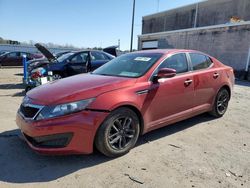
129	65
64	57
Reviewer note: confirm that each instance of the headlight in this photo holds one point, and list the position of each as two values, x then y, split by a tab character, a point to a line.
63	109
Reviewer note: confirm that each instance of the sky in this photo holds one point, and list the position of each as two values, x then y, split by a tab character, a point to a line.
82	23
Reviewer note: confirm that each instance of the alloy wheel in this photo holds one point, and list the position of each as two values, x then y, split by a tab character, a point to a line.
56	76
222	102
121	133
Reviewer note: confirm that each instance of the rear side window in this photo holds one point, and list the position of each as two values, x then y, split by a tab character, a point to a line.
80	58
200	61
98	56
177	62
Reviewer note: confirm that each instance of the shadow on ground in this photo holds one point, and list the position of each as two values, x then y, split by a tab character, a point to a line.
242	83
19	74
12	86
18	86
19	164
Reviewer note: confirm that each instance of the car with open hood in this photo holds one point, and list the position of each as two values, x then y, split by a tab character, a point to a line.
127	97
71	63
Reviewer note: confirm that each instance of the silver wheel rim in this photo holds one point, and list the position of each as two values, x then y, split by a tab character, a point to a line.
121	133
56	77
222	102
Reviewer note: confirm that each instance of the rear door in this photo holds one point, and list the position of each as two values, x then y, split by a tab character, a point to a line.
172	97
77	64
206	80
98	59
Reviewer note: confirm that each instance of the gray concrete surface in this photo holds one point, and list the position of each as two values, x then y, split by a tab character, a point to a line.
212	12
230	44
199	152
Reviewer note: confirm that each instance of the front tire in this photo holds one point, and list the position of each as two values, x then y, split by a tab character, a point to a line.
220	103
118	133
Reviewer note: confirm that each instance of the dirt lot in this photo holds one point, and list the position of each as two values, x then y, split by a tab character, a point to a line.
199	152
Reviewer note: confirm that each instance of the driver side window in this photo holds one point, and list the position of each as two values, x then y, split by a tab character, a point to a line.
13	54
177	62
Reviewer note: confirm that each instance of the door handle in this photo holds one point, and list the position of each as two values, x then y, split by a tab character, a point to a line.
188	82
216	75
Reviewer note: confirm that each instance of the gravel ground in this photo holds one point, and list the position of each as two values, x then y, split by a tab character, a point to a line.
198	152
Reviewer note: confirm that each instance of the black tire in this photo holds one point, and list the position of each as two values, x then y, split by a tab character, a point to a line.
220	103
56	76
28	88
118	133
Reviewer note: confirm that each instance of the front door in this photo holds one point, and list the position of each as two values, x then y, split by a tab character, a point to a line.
171	98
77	64
12	59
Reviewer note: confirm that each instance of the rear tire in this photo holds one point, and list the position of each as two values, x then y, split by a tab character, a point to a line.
118	133
56	76
220	103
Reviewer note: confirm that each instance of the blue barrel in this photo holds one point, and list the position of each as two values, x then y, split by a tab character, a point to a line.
25	69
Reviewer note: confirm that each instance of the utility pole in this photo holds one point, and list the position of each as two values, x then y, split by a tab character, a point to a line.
196	15
158	4
119	44
132	27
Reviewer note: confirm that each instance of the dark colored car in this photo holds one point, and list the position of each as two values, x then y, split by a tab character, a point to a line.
16	58
71	63
32	64
2	52
130	95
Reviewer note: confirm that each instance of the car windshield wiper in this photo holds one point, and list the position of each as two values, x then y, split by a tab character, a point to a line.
104	74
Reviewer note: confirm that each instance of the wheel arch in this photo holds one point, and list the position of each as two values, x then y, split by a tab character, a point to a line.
227	88
138	113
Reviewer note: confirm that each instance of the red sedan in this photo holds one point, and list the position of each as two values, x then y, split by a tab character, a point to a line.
131	95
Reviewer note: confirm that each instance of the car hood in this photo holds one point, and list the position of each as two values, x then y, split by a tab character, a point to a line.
45	52
37	63
79	87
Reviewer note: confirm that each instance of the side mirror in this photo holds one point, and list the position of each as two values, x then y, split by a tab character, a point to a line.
165	73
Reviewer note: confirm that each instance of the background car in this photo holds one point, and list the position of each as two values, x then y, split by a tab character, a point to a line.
71	63
16	58
130	95
35	63
2	52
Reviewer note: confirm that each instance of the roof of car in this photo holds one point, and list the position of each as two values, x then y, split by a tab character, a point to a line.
165	51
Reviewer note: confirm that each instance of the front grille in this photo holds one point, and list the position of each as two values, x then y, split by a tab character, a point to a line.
29	111
50	141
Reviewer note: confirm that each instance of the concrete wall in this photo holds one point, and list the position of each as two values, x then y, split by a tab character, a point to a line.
228	43
210	12
31	49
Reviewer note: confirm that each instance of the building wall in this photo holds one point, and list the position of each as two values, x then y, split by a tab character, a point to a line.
228	43
211	12
26	48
